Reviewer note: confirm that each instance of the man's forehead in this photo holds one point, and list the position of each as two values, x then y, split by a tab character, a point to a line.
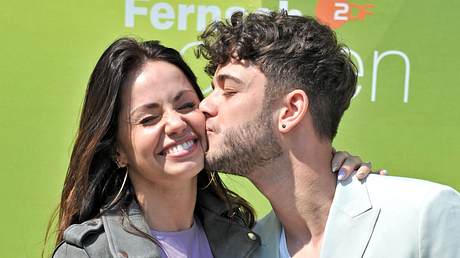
241	70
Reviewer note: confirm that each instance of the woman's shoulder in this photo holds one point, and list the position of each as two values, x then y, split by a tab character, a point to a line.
65	249
86	239
115	233
76	234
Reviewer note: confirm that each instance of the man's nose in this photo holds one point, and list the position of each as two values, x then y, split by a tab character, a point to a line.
208	107
175	124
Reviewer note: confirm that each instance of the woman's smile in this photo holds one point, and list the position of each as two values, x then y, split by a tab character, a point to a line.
180	150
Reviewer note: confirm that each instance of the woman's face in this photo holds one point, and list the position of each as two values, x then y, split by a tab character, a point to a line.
161	134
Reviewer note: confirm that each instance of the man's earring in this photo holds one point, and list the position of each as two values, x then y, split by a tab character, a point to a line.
283	126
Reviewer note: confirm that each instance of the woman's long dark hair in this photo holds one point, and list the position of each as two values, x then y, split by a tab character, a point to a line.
92	179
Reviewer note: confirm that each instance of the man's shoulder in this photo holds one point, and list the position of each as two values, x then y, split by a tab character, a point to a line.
397	191
415	216
403	202
397	182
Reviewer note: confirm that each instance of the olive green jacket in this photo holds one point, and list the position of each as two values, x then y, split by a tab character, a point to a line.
111	235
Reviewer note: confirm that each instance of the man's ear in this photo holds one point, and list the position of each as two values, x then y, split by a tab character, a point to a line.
293	110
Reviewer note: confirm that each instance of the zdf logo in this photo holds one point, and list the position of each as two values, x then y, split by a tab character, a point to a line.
336	13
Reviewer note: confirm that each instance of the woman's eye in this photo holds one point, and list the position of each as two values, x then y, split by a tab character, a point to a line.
187	105
148	120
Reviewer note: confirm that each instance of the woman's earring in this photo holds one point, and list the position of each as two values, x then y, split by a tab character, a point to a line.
119	165
283	126
117	197
211	177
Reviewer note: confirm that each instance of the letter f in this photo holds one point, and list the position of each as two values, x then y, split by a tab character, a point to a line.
131	10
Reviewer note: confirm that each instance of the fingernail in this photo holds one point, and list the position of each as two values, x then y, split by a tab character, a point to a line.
334	167
341	174
384	172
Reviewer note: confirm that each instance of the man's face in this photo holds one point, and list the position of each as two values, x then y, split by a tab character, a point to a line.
238	125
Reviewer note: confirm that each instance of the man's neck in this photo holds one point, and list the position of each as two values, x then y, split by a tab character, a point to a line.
300	191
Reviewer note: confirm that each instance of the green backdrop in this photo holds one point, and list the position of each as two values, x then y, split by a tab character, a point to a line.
405	116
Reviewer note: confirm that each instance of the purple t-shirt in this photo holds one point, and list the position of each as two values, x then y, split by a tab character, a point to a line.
189	243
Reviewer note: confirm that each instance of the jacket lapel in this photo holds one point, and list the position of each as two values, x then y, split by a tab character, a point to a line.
351	221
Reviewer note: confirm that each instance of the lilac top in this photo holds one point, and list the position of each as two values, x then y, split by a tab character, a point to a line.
189	243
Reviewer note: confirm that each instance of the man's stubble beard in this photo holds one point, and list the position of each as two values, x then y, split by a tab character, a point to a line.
247	147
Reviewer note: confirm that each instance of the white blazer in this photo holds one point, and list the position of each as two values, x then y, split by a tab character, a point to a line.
383	216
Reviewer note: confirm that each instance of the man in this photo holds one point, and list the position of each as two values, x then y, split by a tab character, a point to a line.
281	85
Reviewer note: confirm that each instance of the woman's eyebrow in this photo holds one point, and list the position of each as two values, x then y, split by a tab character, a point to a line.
180	94
151	105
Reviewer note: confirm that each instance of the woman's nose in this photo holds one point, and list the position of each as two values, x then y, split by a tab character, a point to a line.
175	124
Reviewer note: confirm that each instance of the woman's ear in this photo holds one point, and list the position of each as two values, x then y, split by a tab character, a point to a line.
120	157
293	110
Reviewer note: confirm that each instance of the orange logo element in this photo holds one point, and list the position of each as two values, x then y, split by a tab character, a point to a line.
336	13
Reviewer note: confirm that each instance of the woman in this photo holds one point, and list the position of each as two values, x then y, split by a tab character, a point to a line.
135	185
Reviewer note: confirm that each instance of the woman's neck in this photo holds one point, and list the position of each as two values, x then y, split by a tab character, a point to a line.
168	206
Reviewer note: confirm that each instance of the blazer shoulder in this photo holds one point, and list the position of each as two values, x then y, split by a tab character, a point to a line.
444	204
446	194
408	192
439	225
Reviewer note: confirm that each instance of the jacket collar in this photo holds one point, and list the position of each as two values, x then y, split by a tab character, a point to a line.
208	200
123	238
227	235
269	229
351	215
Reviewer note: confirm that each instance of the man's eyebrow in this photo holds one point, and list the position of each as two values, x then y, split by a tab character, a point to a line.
222	77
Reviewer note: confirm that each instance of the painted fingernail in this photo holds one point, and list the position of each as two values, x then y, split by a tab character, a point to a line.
384	172
341	174
334	167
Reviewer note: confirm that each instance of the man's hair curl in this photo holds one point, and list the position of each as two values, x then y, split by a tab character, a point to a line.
293	52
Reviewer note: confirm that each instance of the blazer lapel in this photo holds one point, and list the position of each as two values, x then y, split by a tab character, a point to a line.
351	221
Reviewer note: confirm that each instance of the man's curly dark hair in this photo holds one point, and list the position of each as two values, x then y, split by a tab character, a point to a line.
293	52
